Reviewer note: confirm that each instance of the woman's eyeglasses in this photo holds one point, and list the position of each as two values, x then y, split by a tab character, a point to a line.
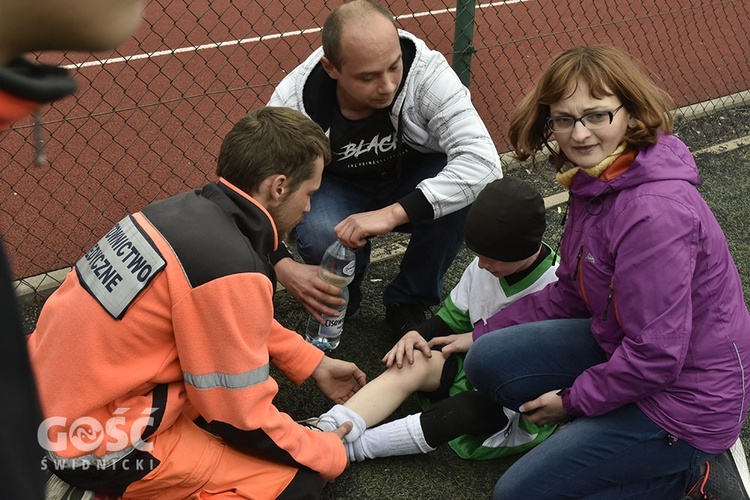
591	121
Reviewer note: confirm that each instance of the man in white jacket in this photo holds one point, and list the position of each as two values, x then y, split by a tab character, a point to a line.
410	153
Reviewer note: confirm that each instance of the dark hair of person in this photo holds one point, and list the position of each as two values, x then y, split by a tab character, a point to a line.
270	141
607	71
333	26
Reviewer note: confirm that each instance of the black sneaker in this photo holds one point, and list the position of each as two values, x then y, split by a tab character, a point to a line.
355	300
726	477
404	317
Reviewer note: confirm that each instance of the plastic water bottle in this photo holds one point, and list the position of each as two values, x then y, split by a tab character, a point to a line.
336	268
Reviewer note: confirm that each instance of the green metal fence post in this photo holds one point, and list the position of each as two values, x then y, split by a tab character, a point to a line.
463	46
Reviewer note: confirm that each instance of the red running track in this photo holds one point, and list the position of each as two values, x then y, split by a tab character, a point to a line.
151	126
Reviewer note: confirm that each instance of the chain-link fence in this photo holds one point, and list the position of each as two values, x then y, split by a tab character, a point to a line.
148	119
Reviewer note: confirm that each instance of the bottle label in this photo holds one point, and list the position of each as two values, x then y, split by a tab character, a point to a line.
349	268
333	326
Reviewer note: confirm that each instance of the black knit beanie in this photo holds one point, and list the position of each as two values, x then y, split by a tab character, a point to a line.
506	221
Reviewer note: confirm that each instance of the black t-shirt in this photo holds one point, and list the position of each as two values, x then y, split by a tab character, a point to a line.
364	148
367	148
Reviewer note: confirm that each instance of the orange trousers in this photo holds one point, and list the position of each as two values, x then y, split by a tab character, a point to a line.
196	465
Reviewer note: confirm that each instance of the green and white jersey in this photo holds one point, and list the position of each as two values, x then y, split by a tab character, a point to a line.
479	294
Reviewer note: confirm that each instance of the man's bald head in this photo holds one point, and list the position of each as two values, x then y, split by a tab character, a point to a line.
351	15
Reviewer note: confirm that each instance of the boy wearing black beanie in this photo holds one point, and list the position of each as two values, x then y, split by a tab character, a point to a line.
504	229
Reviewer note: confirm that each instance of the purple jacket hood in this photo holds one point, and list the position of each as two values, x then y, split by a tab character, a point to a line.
667	160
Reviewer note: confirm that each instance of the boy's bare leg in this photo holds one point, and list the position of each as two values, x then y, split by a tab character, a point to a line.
382	396
379	398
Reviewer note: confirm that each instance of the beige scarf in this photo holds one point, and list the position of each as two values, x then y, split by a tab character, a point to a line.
569	170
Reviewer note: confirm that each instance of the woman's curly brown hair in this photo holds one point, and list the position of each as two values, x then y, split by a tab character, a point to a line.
607	71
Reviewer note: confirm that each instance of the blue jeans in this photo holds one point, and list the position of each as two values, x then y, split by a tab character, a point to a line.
621	454
433	245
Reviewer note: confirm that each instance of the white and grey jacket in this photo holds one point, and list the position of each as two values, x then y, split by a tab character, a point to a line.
437	115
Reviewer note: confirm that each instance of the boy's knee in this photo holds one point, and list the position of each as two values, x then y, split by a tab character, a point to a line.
420	364
423	371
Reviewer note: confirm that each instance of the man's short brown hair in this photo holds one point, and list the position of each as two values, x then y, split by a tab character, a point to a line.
269	141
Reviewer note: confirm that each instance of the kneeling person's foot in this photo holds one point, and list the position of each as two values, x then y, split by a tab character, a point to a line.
405	317
725	477
355	300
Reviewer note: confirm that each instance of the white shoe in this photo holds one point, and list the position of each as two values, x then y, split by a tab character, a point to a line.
311	422
57	489
737	452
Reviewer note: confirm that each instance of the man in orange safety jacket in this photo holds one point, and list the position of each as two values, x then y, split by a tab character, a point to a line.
152	359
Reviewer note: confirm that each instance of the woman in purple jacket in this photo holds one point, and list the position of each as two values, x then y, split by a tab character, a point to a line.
643	344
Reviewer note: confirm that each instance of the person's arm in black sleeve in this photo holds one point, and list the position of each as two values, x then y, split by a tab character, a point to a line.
434	327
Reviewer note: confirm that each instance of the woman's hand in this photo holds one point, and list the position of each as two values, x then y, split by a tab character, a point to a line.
547	409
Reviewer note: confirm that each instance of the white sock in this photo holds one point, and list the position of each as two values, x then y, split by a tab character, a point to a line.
399	437
335	418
